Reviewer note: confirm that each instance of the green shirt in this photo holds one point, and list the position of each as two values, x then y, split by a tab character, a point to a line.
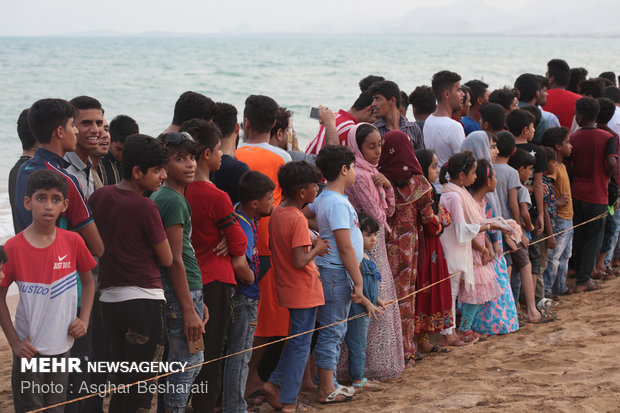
174	209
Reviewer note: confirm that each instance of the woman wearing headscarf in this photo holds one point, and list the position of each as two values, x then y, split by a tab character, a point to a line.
413	195
373	194
498	316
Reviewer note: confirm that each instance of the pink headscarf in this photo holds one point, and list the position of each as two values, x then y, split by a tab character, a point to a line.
362	166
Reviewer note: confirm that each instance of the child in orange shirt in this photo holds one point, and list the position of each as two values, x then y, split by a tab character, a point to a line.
297	279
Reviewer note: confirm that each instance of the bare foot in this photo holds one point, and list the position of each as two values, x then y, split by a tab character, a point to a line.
451	341
272	394
294	407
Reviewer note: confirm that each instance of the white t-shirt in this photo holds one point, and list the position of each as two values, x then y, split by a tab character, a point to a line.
444	135
614	122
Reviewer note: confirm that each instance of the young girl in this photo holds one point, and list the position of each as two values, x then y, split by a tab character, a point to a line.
433	309
373	194
357	329
467	231
498	316
413	196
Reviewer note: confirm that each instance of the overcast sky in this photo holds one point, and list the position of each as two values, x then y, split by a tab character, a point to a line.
53	17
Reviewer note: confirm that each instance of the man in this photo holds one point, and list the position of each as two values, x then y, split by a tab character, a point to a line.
89	122
121	127
478	95
280	136
191	105
335	128
560	101
366	82
613	93
29	146
505	97
385	105
529	93
442	133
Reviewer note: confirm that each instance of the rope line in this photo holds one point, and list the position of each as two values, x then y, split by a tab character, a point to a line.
121	387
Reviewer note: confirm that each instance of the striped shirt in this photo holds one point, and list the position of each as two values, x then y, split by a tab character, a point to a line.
411	129
344	122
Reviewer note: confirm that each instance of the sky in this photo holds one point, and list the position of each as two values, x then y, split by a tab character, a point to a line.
61	17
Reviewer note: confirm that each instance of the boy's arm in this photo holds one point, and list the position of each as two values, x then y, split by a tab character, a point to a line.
301	257
242	269
93	240
20	348
513	204
192	323
164	254
79	326
349	259
525	216
538	197
549	230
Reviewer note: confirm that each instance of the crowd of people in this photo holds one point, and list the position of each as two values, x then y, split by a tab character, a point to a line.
216	237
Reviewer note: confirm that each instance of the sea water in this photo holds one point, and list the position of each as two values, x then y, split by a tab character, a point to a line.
143	76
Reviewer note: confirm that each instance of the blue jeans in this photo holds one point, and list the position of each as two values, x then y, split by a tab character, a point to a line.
356	339
240	336
337	288
557	265
614	239
178	349
290	369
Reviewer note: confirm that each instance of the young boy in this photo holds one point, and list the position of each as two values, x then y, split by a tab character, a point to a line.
212	215
523	163
508	185
129	280
182	282
297	279
557	264
45	322
337	223
255	193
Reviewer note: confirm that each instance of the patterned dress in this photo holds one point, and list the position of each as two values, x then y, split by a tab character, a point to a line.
433	308
498	316
402	250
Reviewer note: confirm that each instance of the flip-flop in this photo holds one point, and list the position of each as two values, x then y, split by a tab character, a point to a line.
545	318
332	398
438	349
592	285
366	385
258	394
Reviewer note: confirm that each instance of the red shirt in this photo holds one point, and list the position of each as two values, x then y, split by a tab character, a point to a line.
212	212
561	103
344	122
129	225
591	149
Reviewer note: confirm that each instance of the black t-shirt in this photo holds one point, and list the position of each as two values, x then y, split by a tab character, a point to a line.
228	176
12	184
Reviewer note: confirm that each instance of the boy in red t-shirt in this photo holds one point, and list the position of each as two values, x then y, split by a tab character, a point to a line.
297	279
212	216
45	262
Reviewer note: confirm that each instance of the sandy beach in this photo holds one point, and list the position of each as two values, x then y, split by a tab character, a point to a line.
570	365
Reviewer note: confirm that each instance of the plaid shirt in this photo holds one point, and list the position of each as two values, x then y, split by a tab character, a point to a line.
410	128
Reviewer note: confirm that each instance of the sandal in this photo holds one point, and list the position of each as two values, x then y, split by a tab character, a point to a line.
592	285
332	398
299	408
545	318
256	398
366	385
469	336
438	349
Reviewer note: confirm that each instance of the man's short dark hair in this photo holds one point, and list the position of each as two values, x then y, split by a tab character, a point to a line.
554	136
543	82
46	179
611	76
85	103
606	112
261	111
477	89
46	115
504	96
387	89
443	81
404	100
366	82
295	176
521	158
253	186
613	93
577	75
534	111
362	102
332	158
517	120
144	152
193	105
367	223
588	108
226	118
505	143
121	127
559	70
527	85
591	87
23	131
205	133
423	100
494	114
283	118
